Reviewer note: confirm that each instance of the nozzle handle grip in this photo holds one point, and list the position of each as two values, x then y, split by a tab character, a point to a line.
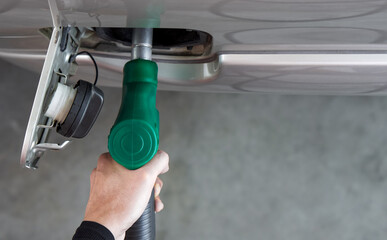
134	137
145	227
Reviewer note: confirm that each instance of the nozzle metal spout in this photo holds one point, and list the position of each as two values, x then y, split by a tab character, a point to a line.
142	43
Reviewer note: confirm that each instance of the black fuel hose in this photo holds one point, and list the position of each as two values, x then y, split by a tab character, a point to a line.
145	227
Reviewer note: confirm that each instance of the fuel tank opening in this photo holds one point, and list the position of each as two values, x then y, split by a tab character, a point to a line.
166	41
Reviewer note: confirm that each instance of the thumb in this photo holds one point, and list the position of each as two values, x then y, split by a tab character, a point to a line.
159	163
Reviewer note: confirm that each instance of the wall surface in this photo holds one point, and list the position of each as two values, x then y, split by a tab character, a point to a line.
242	167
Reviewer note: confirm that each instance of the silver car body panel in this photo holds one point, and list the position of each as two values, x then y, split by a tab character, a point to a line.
284	46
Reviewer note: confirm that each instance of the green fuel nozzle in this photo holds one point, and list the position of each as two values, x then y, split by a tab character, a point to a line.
134	137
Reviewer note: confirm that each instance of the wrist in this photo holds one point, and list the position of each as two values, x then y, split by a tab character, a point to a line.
109	224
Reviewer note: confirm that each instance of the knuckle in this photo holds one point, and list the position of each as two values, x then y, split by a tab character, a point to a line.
103	160
145	176
104	155
164	157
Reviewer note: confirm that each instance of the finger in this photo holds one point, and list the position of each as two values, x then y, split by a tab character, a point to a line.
158	186
159	181
159	163
159	205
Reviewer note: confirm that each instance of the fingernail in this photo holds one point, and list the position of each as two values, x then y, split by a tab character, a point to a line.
157	189
160	207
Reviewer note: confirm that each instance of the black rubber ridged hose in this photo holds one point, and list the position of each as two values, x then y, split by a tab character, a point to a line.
145	227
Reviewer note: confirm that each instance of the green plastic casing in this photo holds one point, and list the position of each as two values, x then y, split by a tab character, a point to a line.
134	137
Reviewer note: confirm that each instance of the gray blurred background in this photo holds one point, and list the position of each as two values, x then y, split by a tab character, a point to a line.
242	167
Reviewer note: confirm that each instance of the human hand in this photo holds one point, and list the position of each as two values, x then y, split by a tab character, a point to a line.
119	196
